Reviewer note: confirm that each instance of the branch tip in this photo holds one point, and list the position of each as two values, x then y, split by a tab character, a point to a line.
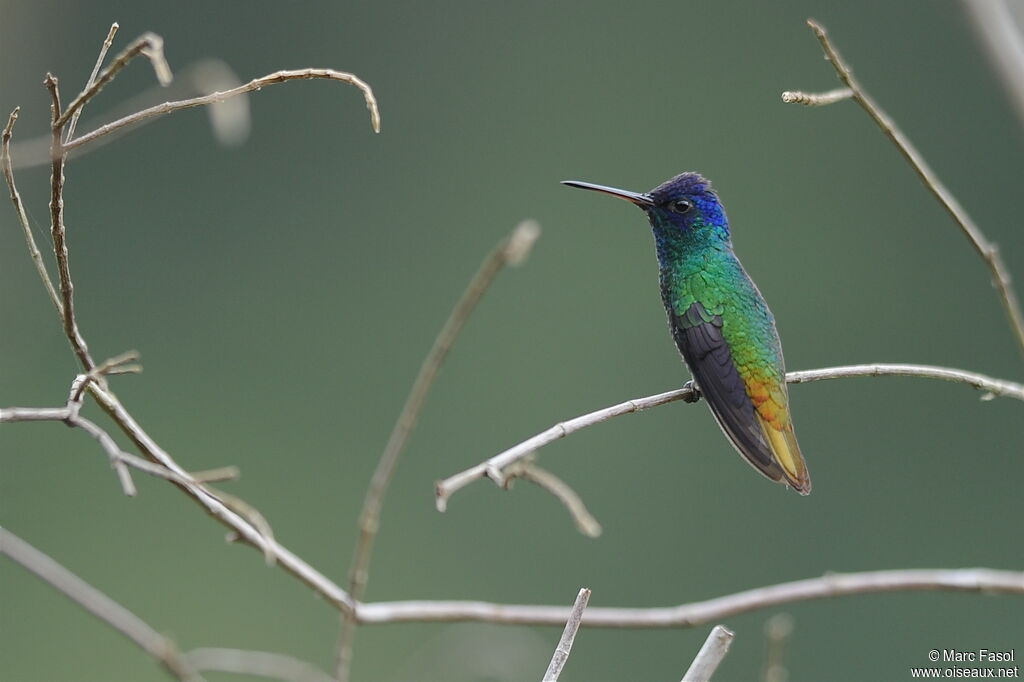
521	241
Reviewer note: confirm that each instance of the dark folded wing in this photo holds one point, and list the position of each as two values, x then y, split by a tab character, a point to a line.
698	336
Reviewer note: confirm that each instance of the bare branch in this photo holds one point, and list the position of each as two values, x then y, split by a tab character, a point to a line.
494	467
982	580
259	663
98	604
710	655
58	232
19	208
107	43
511	251
986	249
564	647
257	84
581	516
149	45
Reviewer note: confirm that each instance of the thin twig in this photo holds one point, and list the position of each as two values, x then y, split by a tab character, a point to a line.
19	208
983	580
257	84
70	416
104	48
149	45
988	251
259	663
226	473
572	625
570	499
816	99
98	604
493	467
511	251
58	232
716	646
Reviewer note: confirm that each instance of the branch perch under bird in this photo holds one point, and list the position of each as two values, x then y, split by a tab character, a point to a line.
496	467
853	89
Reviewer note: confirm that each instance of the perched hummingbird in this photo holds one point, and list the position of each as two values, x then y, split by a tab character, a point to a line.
721	323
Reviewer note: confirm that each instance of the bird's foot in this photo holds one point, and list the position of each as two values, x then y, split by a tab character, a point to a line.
694	392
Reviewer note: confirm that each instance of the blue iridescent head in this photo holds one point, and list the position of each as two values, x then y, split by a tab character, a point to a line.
685	204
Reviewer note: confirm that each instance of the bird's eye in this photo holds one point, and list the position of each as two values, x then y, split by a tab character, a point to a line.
681	206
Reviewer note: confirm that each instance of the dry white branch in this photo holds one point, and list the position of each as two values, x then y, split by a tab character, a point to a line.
149	45
495	467
572	625
710	655
214	97
983	580
98	604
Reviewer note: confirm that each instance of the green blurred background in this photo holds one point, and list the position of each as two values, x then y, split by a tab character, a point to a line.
284	292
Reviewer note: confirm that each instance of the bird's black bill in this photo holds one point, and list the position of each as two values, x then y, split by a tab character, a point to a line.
642	200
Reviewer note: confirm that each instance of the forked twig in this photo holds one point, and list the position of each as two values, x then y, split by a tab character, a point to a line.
988	251
511	251
104	48
98	604
149	45
493	467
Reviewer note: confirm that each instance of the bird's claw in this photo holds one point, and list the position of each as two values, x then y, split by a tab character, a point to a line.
694	393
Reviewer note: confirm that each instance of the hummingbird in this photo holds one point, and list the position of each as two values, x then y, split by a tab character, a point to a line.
720	323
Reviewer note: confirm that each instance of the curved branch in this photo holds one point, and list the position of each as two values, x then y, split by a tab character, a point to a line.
214	97
982	580
494	467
